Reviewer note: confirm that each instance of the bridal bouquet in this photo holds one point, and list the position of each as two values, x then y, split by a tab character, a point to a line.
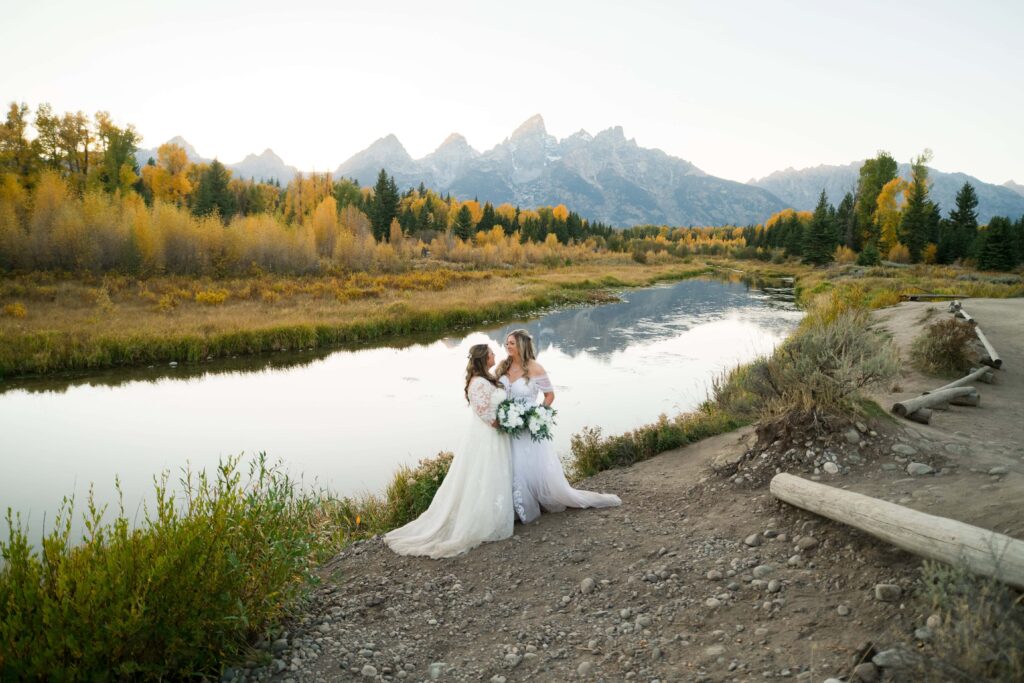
512	416
539	422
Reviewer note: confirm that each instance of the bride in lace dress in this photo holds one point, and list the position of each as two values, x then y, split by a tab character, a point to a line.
538	481
474	502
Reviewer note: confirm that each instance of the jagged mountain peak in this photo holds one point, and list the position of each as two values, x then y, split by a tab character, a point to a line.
531	127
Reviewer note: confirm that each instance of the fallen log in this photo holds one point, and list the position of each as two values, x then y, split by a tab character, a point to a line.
967	400
981	551
928	297
965	316
921	415
976	373
904	408
993	358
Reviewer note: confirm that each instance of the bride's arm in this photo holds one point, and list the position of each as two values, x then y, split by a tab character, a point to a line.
480	391
539	378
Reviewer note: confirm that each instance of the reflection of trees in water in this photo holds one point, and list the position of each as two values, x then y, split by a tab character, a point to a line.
643	314
648	314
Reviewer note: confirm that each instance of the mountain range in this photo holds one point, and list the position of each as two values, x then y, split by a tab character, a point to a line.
607	177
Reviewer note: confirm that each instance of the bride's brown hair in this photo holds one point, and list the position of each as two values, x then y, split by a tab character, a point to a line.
477	366
524	342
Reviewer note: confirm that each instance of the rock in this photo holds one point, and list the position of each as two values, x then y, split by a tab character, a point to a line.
584	669
587	585
714	575
512	660
714	650
643	621
999	470
279	645
713	603
852	436
903	449
887	592
763	570
774	586
369	671
498	679
866	672
861	427
918	469
437	669
830	468
892	658
807	543
753	540
923	634
934	621
843	611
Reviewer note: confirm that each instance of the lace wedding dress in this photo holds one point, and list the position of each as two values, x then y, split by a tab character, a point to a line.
474	502
538	480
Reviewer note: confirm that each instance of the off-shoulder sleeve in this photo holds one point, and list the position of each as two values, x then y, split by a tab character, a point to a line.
543	384
480	391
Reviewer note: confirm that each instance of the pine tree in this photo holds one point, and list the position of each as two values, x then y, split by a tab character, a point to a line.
996	250
464	223
213	193
869	256
383	207
963	226
488	219
846	223
916	222
819	242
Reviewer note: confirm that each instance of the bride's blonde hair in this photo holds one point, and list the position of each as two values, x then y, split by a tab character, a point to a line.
477	366
524	342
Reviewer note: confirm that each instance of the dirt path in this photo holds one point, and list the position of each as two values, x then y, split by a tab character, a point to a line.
695	578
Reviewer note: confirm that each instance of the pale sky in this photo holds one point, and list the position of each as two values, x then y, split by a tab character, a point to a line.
740	89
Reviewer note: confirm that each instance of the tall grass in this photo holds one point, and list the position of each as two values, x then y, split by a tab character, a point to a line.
170	598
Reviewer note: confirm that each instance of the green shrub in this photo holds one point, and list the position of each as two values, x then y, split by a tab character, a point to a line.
943	348
980	630
174	597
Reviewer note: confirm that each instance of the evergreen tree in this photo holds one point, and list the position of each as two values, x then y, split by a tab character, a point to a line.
464	223
846	223
213	193
793	231
819	240
874	174
488	220
916	223
383	208
869	256
996	251
963	226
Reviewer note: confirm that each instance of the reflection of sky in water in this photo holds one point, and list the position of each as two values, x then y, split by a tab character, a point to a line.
350	418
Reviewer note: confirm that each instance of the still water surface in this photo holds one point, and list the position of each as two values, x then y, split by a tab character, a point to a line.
348	418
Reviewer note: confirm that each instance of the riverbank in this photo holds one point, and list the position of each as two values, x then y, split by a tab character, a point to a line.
56	323
700	575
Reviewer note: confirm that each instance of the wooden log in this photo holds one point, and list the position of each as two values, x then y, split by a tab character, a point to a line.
939	406
966	317
981	551
922	415
904	408
968	400
954	306
928	297
993	358
967	379
988	377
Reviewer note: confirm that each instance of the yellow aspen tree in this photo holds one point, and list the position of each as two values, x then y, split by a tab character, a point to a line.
889	213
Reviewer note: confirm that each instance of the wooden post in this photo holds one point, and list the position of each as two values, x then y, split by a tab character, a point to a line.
904	408
976	373
937	538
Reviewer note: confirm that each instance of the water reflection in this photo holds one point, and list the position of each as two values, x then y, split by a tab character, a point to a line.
350	417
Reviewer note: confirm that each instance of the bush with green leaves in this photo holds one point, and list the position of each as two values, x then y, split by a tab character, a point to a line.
209	567
944	348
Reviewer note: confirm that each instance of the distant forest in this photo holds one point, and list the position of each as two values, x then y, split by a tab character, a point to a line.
73	197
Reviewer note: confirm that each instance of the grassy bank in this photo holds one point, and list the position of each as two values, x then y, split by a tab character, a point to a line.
817	373
55	323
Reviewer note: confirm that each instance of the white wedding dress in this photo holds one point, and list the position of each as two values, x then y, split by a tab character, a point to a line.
474	502
538	481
